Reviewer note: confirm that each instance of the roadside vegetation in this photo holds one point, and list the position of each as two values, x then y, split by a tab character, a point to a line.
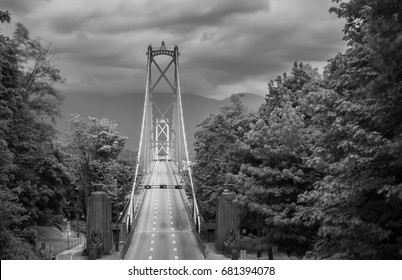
317	170
43	181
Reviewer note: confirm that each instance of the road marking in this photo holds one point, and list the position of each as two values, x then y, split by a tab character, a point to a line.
153	229
175	249
176	257
153	234
173	235
174	242
171	223
162	231
150	258
154	223
151	249
152	241
171	217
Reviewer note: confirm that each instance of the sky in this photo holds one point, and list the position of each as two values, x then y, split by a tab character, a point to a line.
226	46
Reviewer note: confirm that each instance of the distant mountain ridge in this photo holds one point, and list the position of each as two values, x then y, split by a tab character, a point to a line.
126	110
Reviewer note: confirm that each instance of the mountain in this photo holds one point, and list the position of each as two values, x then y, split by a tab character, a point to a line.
126	110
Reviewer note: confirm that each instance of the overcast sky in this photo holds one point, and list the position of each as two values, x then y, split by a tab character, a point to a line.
226	46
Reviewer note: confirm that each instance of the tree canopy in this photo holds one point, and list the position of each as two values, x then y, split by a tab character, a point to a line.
320	161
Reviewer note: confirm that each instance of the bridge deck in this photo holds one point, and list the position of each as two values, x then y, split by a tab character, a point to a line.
163	230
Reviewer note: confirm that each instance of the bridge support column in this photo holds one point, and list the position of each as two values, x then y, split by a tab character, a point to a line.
99	224
227	222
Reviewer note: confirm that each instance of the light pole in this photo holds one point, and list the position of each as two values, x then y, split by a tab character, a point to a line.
78	217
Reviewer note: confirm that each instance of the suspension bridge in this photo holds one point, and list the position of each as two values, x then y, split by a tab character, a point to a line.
161	220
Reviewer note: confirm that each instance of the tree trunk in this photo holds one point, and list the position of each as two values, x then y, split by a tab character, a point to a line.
270	253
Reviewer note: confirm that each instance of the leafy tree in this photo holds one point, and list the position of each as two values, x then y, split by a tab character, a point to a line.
5	16
357	204
12	214
216	147
274	172
38	75
33	179
94	148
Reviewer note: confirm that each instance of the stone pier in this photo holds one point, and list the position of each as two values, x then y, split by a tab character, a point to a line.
99	224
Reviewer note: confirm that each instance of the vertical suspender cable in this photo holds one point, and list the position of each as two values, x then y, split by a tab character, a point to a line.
196	214
144	115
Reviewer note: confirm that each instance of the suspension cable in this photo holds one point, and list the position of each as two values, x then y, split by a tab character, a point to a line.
196	211
131	205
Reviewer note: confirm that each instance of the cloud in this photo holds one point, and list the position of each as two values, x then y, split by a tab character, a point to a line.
226	46
21	7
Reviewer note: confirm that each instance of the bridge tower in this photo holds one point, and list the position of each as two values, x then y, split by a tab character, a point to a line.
162	127
163	133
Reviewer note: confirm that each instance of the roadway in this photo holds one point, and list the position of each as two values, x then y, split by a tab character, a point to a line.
163	229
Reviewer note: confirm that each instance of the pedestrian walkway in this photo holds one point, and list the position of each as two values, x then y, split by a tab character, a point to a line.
76	253
213	255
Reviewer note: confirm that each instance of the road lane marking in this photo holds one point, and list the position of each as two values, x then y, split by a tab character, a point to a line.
172	228
171	223
176	257
164	231
173	235
154	229
153	234
174	242
150	258
152	241
151	249
175	249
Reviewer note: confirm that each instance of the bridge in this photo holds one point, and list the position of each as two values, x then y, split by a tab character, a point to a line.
161	220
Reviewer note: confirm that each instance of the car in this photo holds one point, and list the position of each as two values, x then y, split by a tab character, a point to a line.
178	187
163	186
147	186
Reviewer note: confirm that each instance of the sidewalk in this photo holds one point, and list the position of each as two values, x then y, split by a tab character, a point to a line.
213	255
76	254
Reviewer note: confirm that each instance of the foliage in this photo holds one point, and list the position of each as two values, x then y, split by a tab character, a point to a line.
94	148
216	147
33	179
357	204
274	172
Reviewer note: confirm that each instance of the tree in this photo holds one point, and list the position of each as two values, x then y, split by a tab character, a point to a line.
357	204
33	179
12	247
216	148
38	75
274	171
94	148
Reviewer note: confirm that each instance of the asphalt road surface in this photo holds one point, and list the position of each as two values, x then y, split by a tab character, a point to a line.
163	230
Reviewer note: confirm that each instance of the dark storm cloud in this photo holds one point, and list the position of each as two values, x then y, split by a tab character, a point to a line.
173	16
226	45
21	7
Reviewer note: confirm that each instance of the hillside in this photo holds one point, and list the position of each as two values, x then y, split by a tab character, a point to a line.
126	111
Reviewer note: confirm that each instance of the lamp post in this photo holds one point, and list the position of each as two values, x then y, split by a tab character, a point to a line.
77	229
